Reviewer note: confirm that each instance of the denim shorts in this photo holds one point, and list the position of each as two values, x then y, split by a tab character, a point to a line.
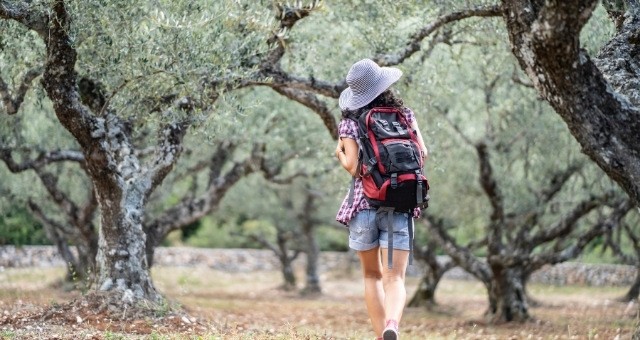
368	230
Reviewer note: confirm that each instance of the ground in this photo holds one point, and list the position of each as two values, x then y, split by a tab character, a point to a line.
220	305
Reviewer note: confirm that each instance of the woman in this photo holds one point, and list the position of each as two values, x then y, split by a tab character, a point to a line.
385	294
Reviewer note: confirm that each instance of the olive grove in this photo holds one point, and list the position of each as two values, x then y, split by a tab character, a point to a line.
160	104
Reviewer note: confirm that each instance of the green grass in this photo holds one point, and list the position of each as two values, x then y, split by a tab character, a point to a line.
5	334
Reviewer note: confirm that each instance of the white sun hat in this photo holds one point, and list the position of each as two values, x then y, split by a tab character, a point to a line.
366	81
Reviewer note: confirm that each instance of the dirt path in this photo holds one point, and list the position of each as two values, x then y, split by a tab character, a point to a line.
222	305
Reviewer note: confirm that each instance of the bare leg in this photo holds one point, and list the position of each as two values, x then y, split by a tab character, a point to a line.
395	293
373	288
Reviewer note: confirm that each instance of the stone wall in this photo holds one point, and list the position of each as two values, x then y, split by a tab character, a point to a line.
246	260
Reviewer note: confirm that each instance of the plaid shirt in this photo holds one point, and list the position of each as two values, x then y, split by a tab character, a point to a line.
349	129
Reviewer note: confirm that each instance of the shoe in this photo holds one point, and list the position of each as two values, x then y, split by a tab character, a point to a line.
390	330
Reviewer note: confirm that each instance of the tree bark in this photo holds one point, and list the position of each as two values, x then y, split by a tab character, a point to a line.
282	239
122	187
312	249
121	248
288	273
312	283
507	295
599	106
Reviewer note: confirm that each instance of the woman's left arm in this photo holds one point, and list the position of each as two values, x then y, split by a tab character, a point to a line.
347	153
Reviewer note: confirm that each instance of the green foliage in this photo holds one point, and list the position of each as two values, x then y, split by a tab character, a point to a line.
190	230
141	51
224	235
598	30
17	227
333	239
215	234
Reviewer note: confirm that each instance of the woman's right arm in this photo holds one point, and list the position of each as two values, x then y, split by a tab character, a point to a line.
425	152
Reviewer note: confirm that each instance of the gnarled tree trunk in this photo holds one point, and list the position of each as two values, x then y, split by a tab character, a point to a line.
425	294
434	271
312	282
311	247
597	99
507	295
121	258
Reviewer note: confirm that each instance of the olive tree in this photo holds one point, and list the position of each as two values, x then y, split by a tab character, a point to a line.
127	82
597	96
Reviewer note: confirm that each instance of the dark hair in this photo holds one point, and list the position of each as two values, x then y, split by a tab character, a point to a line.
385	99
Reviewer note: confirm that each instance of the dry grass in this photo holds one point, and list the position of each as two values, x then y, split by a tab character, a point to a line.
250	306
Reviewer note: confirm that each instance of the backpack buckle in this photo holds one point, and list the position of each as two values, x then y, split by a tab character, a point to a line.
371	164
398	127
394	180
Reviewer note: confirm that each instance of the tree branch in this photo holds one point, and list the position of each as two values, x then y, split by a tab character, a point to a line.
265	243
44	158
59	78
167	151
22	12
557	181
414	43
288	15
489	183
11	104
462	256
311	101
222	153
300	89
79	218
63	201
192	209
617	250
456	128
613	220
281	79
55	230
567	223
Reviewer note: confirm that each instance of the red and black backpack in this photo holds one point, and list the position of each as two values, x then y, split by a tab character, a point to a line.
390	161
